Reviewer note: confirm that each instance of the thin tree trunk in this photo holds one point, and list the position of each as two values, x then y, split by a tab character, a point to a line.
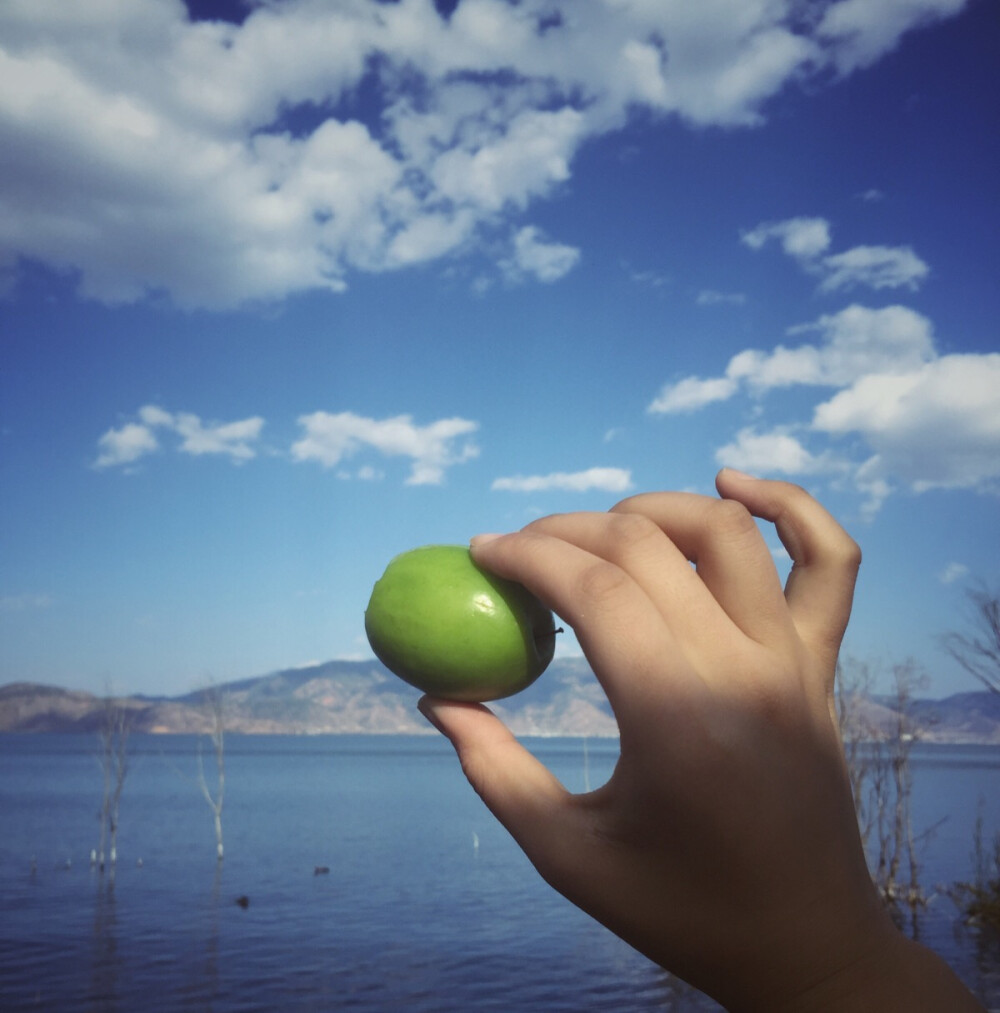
217	735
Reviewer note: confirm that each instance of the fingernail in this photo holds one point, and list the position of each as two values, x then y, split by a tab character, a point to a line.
740	474
426	707
478	540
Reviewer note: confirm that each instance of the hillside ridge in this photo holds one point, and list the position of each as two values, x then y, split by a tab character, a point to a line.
352	697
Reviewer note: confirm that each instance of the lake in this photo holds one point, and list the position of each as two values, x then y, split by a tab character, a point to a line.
427	906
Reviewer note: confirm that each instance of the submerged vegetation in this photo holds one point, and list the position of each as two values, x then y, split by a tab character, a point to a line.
113	735
979	901
216	712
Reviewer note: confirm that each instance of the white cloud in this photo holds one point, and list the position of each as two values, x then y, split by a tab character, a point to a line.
853	343
124	121
230	438
861	31
808	239
432	449
692	393
802	238
153	415
774	452
936	426
524	162
430	237
615	480
328	439
908	416
532	255
874	266
124	446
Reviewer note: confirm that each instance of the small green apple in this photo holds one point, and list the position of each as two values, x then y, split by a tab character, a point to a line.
453	630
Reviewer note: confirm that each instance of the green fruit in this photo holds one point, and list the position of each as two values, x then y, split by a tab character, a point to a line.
442	624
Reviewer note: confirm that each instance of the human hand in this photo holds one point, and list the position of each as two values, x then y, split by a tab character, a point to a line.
725	845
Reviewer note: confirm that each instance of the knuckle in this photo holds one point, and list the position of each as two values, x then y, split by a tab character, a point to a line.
773	703
630	532
600	582
728	517
848	554
794	489
543	524
789	490
631	503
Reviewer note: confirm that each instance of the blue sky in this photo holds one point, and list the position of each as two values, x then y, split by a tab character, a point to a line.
290	291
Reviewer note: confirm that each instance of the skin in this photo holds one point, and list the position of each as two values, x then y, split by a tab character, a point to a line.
725	847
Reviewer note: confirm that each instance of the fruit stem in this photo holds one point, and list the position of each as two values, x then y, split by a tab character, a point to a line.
548	633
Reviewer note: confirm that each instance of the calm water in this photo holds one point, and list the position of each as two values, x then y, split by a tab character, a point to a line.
428	905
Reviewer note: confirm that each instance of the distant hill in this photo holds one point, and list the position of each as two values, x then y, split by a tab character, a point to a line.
349	697
338	697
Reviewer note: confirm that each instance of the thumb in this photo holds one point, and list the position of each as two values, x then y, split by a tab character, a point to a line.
517	788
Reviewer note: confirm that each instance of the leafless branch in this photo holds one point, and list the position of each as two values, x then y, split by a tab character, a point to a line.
978	649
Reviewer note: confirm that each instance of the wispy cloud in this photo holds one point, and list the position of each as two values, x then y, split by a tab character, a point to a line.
874	267
25	602
953	572
711	297
330	438
616	480
649	278
807	240
692	393
134	440
127	120
802	238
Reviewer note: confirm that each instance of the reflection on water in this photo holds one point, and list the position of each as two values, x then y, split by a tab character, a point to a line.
427	905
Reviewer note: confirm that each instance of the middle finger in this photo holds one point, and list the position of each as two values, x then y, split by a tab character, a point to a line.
732	559
638	546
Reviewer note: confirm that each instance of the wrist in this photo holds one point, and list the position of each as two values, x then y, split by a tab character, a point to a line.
892	974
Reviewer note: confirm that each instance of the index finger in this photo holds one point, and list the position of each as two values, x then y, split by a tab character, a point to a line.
619	627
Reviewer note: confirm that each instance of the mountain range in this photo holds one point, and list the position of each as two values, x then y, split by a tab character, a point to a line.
352	697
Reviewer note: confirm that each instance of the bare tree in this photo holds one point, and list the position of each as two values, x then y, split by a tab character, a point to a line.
113	734
978	650
860	736
902	880
877	749
214	703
